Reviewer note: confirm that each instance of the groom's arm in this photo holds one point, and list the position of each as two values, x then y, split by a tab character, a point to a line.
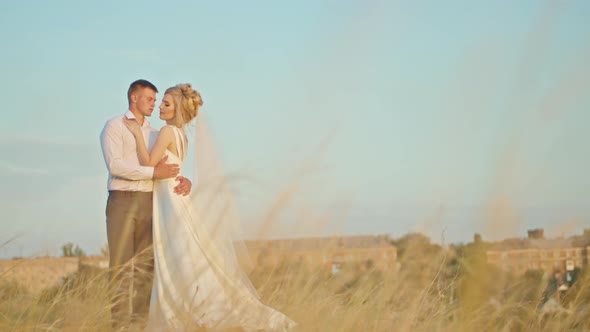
111	140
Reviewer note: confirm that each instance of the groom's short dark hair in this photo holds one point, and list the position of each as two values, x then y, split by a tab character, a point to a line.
139	84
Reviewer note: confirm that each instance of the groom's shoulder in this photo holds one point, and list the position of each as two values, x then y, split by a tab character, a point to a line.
118	119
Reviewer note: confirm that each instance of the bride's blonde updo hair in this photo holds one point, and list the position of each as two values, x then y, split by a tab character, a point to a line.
186	102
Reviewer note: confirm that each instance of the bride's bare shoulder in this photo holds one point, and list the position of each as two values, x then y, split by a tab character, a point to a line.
167	131
168	128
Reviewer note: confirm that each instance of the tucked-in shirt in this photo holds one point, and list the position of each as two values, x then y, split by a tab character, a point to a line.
119	150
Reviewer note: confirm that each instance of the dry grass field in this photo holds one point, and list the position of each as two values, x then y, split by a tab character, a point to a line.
37	274
436	289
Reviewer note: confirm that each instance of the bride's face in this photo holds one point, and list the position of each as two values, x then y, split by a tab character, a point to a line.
167	108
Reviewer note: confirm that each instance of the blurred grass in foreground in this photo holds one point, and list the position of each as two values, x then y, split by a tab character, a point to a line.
435	289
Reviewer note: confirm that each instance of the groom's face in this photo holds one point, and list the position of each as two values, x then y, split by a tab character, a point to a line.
146	101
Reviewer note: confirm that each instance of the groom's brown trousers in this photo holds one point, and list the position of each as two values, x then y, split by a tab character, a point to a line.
131	260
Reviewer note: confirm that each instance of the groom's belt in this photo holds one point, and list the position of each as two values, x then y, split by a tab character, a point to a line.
130	193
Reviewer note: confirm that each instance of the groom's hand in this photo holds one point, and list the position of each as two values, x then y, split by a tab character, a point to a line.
184	187
165	171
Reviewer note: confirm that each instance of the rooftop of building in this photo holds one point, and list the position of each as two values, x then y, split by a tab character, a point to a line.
323	243
537	240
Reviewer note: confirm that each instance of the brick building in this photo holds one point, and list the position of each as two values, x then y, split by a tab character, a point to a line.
537	253
327	252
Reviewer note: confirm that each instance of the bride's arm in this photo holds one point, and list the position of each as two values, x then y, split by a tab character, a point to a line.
162	143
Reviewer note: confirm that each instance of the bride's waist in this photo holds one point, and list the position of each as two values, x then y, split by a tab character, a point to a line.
165	182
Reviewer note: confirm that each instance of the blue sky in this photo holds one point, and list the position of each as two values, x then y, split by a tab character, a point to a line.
448	118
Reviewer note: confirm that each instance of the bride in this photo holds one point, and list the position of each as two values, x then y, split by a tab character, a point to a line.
197	278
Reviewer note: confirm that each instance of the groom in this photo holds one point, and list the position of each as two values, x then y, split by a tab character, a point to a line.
129	206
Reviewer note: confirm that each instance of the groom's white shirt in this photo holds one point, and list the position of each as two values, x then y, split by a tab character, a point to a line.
120	155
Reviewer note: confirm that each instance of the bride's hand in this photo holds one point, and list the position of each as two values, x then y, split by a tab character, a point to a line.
133	126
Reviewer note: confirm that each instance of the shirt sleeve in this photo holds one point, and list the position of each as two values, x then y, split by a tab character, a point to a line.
111	141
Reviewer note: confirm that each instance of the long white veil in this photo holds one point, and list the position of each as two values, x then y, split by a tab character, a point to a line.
210	218
216	209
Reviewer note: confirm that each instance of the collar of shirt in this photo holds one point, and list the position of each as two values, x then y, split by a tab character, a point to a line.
130	115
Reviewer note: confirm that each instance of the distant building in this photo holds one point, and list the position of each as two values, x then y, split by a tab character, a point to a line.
537	253
328	253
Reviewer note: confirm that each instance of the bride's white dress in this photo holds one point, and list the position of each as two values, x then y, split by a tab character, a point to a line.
198	282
